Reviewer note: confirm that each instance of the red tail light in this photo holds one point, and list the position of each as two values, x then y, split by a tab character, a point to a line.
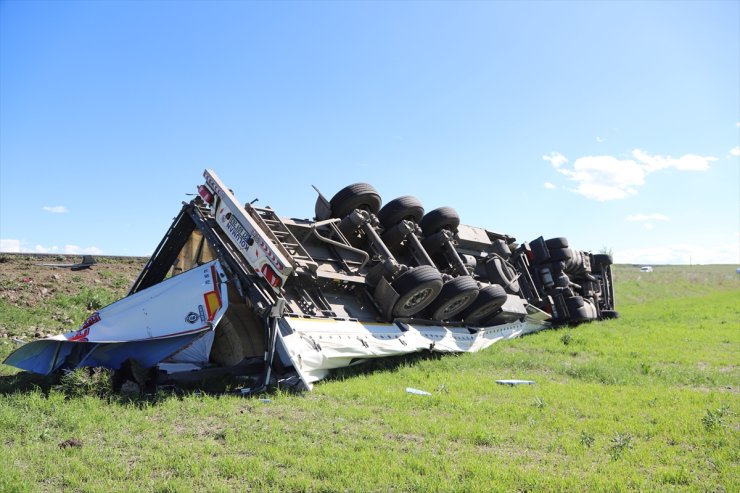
205	194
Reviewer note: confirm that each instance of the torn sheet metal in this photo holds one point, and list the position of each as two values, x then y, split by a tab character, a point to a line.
316	346
149	326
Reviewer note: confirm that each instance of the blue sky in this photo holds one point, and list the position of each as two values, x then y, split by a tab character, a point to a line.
615	124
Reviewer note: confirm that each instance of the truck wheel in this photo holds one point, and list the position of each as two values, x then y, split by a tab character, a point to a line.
418	288
607	314
355	196
395	211
603	259
439	219
501	272
456	295
556	243
558	254
489	300
574	302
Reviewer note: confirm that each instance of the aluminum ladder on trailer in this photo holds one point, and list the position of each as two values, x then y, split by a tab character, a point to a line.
284	239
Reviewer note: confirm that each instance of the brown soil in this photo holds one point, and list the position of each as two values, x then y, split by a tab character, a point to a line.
25	282
44	280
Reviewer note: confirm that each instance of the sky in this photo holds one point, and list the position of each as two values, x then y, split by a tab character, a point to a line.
614	124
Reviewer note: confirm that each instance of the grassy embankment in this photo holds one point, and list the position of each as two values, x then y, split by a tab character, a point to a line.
646	402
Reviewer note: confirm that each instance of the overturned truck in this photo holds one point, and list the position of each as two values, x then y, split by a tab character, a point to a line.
236	288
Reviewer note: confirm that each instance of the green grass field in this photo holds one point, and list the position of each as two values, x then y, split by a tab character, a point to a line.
647	402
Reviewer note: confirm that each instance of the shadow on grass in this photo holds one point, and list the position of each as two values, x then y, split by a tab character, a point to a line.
25	382
382	365
105	384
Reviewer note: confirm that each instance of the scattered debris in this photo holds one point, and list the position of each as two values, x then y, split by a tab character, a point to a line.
72	442
87	262
410	390
513	382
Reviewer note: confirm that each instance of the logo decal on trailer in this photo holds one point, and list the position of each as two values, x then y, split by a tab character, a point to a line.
192	317
81	335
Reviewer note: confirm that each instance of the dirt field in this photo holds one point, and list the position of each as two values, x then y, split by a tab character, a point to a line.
25	283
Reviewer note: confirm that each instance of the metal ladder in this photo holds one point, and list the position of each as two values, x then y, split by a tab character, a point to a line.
284	239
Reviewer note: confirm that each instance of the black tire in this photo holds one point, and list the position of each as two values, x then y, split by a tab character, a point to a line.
355	196
575	302
577	309
501	272
489	300
395	211
439	219
603	259
418	288
556	243
608	314
457	294
558	254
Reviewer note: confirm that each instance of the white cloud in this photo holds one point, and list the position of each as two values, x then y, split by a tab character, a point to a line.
57	209
18	246
735	151
600	140
609	178
549	185
74	249
43	249
603	193
688	162
556	159
605	177
647	217
648	226
681	254
11	246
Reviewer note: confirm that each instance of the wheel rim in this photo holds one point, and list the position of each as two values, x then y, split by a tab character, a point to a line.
454	307
417	298
485	310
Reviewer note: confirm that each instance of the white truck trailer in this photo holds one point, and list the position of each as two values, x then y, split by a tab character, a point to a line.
236	288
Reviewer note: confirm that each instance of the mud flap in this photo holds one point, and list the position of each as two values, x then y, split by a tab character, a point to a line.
386	298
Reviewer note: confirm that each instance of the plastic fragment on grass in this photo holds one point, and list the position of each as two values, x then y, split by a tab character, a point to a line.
417	391
513	382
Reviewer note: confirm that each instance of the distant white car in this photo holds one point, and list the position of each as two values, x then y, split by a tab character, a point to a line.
646	268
